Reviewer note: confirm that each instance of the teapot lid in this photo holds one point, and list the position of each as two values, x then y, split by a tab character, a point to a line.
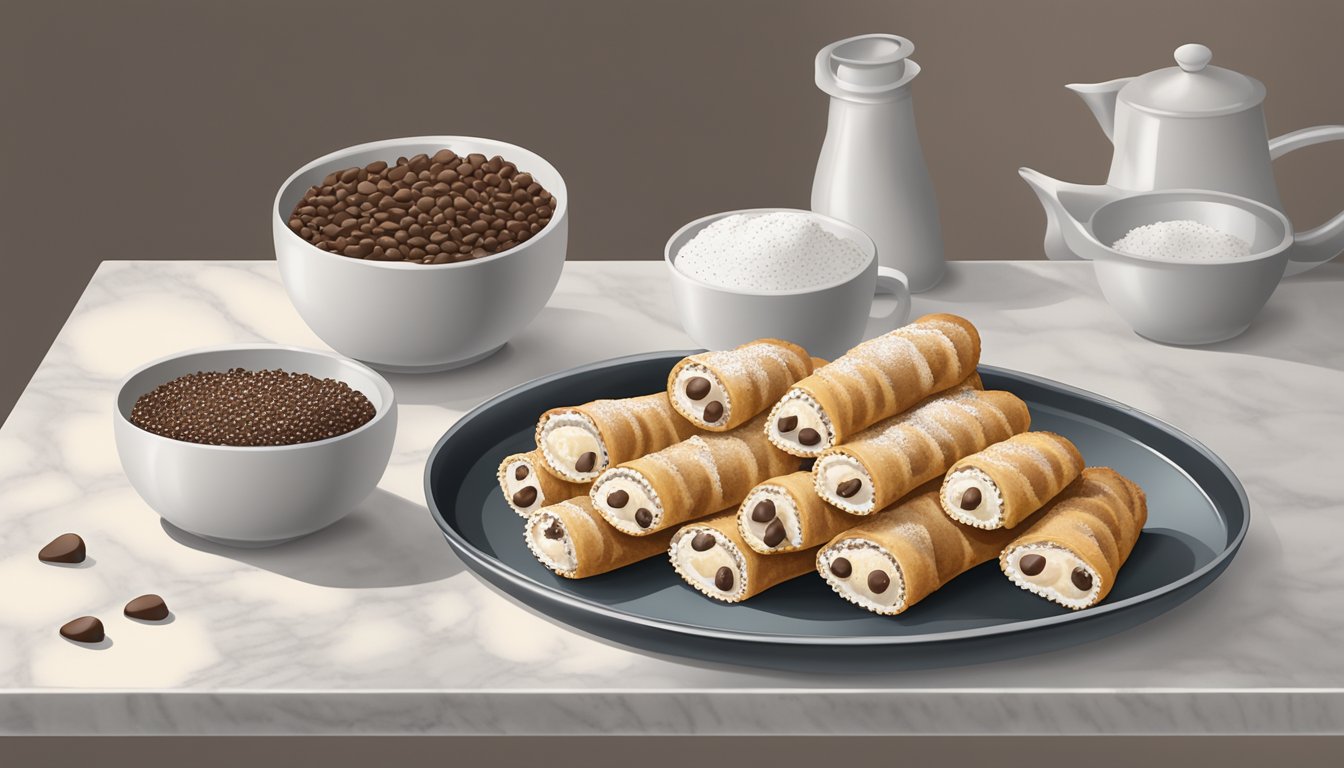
1193	88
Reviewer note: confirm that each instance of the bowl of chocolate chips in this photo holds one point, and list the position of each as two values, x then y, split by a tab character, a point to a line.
421	254
254	445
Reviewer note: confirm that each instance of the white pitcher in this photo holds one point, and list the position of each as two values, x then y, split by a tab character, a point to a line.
871	172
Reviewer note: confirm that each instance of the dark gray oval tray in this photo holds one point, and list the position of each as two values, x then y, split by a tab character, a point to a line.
1198	517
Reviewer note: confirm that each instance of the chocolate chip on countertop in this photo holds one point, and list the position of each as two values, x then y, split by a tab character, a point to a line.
878	581
848	488
525	497
764	511
787	424
586	462
618	499
149	607
1031	564
774	533
841	567
703	541
1081	579
809	436
723	578
697	387
85	629
713	412
970	499
643	517
66	548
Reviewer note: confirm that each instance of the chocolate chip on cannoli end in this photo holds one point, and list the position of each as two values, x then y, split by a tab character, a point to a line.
554	531
878	581
713	411
703	542
774	533
586	462
149	607
723	578
809	436
970	499
787	424
841	567
643	517
521	472
763	512
66	548
618	499
525	497
1081	579
697	387
1031	564
85	629
848	488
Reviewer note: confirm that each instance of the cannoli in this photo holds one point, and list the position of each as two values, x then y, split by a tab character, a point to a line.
904	554
573	540
785	514
1071	555
529	485
892	458
694	478
1002	485
721	390
712	557
579	442
874	381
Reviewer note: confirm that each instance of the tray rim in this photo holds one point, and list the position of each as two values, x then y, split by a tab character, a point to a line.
568	601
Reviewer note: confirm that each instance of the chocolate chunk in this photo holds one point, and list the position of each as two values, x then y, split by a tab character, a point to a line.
702	542
787	424
970	499
617	499
697	388
643	517
66	548
713	411
774	533
723	578
848	488
520	473
809	436
1081	579
878	581
85	629
1031	564
764	511
586	462
525	497
148	607
841	567
554	531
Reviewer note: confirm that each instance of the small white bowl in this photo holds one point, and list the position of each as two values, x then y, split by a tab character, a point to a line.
418	318
1177	301
255	496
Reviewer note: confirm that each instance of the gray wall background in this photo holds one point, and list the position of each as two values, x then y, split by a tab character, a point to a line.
153	129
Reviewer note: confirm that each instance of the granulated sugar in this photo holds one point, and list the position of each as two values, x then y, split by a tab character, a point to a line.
1183	239
775	252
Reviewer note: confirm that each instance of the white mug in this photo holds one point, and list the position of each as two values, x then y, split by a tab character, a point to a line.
826	320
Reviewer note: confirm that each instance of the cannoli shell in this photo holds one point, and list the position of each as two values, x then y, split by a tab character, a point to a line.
818	521
553	488
709	472
1029	469
913	448
755	376
631	427
599	548
762	571
1098	518
887	375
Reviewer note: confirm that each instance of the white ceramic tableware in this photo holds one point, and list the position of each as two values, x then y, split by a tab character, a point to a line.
255	496
413	318
826	320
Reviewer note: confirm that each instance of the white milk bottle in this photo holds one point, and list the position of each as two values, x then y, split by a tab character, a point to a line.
871	172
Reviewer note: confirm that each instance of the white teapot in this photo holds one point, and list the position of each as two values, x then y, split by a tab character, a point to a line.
1193	126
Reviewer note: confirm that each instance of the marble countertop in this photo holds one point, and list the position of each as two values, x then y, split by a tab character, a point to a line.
373	626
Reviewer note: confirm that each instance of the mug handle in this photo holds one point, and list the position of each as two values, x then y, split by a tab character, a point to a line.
893	282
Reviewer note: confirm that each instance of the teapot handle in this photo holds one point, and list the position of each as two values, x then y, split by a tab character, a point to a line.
1316	246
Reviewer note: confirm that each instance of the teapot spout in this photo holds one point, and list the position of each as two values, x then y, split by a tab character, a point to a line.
1100	98
1067	206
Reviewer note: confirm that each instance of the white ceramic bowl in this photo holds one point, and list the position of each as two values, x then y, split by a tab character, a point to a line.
412	318
255	496
1185	302
826	320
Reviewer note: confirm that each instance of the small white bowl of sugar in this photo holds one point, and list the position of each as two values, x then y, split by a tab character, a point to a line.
1188	266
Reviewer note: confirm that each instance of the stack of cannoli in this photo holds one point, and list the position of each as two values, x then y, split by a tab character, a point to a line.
889	471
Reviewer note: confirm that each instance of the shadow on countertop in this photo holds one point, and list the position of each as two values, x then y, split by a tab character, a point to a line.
385	542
